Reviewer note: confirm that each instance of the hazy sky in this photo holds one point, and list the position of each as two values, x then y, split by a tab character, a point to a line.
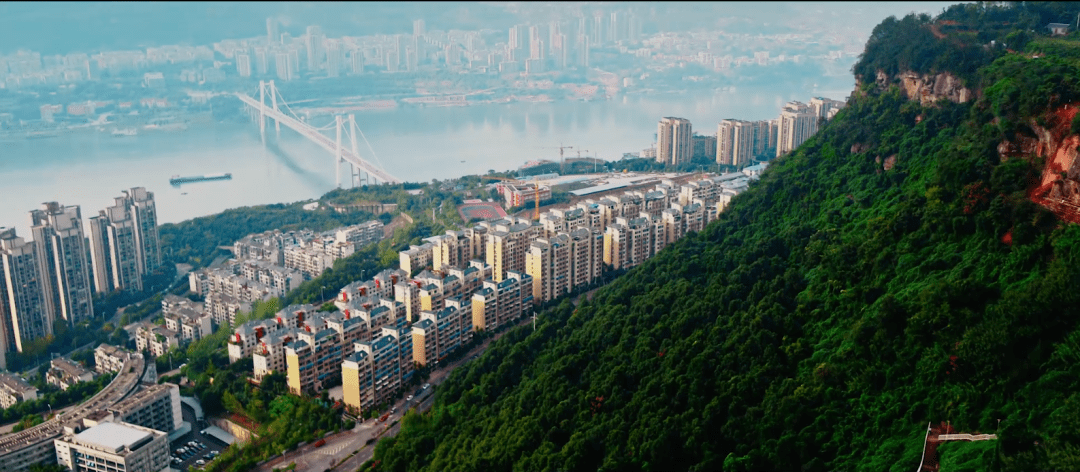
62	27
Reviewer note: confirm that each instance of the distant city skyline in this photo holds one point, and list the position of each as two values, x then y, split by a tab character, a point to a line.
154	25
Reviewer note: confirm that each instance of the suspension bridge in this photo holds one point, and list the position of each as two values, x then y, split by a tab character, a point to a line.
278	110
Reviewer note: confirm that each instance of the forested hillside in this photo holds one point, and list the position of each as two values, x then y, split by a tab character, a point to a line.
890	273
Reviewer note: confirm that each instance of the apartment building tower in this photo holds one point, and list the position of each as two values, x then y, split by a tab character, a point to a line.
674	141
62	254
124	243
24	313
797	123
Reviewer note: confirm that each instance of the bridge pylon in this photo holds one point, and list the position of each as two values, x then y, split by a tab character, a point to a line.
360	168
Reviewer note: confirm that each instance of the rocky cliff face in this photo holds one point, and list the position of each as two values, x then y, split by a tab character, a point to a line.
927	88
1059	187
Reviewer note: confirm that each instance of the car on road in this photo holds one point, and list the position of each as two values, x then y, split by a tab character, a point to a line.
369	441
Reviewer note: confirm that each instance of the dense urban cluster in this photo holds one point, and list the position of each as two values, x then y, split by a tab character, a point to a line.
126	426
578	54
267	266
52	278
477	279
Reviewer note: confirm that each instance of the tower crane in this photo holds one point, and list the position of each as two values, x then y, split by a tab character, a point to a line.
561	149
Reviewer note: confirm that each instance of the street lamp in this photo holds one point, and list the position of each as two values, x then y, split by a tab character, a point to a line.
322	296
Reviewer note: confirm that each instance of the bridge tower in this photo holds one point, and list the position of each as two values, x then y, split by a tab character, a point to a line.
360	169
273	101
262	111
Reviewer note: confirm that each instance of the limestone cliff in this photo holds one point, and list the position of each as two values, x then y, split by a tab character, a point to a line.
927	88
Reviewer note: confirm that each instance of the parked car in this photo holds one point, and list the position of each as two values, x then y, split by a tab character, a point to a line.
425	387
214	452
409	398
200	462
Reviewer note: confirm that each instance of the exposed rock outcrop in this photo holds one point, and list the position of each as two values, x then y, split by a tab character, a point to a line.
926	88
1059	187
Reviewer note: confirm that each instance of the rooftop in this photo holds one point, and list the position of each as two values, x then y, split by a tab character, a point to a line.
113	437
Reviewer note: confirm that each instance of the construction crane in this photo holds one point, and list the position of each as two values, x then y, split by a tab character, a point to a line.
561	149
579	151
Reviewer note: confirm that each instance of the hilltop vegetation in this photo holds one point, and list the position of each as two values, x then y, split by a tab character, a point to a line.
834	310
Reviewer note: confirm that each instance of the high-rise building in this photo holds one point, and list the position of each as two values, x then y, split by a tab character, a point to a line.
674	141
583	51
824	107
243	65
262	61
23	308
272	35
561	52
797	123
356	61
62	253
633	27
143	210
506	248
113	251
283	66
615	28
536	45
597	34
402	51
124	244
314	42
514	41
734	142
334	58
418	27
294	62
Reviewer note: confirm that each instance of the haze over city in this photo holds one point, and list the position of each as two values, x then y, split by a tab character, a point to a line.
341	233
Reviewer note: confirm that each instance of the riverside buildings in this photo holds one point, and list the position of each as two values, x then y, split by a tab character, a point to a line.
124	244
455	284
53	276
62	252
674	141
739	143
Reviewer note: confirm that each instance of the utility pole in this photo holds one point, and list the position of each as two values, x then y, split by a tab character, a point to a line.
534	321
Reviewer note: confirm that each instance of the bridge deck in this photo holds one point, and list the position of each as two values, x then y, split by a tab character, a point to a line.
319	138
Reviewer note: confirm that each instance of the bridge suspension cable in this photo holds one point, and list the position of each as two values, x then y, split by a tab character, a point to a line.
341	153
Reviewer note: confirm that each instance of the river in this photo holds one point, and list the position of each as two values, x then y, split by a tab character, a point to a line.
414	144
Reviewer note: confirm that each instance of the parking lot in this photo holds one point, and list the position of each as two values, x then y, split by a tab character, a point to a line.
202	450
